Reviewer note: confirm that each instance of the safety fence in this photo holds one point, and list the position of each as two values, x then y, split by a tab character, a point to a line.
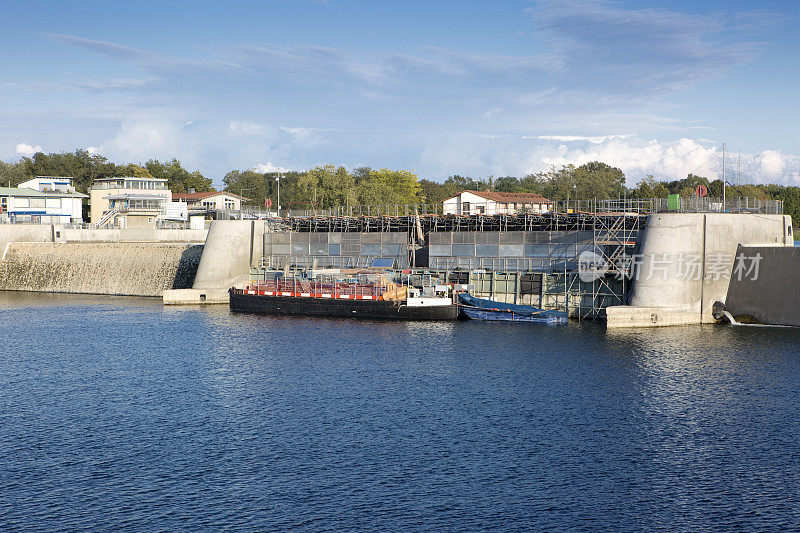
317	289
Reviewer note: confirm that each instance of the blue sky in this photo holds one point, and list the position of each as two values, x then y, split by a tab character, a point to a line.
472	87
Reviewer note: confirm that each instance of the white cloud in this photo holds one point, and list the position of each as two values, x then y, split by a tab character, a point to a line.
269	167
92	150
242	127
573	138
771	163
27	149
637	157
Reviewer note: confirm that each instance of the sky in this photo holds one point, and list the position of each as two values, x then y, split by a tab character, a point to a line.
475	88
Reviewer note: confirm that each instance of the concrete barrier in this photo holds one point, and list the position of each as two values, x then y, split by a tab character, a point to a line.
231	249
25	233
771	291
133	235
99	268
686	260
196	296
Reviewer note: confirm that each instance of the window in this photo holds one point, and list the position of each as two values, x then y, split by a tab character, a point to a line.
481	209
144	205
4	204
53	203
38	202
22	202
465	208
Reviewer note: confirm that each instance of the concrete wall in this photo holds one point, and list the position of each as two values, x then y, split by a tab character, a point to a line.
686	264
144	269
57	233
24	233
231	248
769	293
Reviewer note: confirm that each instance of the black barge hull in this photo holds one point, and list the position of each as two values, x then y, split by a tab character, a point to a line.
301	306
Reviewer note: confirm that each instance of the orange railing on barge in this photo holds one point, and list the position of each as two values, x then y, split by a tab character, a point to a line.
316	289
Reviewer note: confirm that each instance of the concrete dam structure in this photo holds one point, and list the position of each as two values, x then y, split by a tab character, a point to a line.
52	258
680	263
99	268
685	265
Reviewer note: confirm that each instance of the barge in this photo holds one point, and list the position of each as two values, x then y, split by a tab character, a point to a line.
307	298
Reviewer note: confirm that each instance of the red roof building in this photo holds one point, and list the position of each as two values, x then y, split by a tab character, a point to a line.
494	203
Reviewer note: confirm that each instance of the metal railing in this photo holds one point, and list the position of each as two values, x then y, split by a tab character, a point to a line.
593	206
324	289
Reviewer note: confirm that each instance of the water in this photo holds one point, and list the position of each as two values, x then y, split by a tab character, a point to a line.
118	413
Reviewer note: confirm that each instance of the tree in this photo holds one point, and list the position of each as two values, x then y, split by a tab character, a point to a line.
324	187
178	178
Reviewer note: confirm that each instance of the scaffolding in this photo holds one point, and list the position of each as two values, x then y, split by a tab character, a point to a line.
531	258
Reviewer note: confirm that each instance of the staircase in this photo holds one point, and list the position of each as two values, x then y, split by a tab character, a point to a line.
106	218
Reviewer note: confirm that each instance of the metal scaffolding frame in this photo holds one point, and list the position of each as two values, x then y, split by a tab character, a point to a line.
614	235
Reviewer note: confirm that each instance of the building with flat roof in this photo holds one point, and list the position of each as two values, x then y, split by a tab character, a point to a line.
42	200
49	184
128	201
495	203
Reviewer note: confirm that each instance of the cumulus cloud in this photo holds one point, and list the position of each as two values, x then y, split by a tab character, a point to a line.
211	146
27	149
771	163
637	157
269	167
573	138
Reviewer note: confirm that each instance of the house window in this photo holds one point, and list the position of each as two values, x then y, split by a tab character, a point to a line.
481	209
38	203
465	208
4	204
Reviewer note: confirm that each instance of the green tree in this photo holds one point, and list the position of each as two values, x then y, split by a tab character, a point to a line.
178	178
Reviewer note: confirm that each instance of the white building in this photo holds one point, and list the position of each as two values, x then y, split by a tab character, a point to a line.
49	184
128	202
42	200
495	203
211	200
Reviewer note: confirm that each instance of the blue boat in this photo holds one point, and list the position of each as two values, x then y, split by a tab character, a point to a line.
479	309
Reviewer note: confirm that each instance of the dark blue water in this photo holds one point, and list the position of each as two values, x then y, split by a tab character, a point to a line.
118	413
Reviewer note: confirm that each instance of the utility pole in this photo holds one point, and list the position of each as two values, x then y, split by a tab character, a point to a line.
723	177
279	194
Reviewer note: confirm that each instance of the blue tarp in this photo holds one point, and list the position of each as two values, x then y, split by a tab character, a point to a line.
480	309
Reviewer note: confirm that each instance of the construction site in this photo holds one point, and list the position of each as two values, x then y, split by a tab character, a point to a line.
522	258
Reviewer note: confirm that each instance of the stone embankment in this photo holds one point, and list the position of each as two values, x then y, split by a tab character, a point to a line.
46	258
115	268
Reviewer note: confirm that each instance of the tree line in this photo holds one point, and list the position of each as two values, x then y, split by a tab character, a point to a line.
85	167
329	185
